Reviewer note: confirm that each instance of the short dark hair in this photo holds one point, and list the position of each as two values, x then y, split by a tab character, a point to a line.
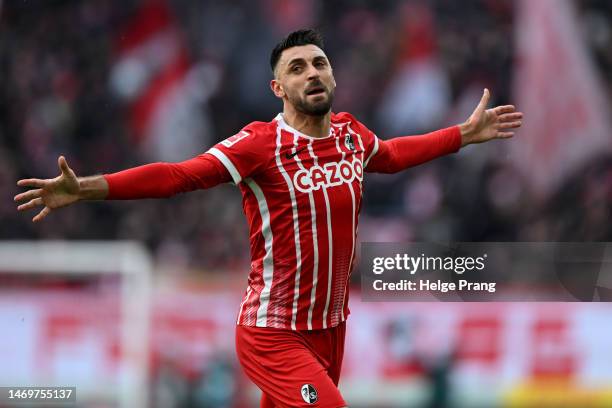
294	39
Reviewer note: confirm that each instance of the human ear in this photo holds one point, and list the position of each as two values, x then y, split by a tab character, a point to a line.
277	88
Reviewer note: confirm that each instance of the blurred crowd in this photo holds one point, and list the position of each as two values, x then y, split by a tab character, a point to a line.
401	67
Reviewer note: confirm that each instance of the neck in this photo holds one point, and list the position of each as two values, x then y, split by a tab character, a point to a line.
315	126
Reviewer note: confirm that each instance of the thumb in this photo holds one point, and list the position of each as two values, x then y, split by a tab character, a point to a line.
484	101
63	165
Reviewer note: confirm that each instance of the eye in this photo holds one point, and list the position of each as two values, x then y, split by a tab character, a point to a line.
296	69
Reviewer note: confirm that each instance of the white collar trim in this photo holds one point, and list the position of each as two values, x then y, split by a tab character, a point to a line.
284	125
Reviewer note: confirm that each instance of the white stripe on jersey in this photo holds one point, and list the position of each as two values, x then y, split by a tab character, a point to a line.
356	229
246	297
296	224
268	264
329	280
353	220
227	163
358	136
315	243
331	245
372	153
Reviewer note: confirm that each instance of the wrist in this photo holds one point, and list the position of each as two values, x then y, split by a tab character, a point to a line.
81	194
466	133
92	188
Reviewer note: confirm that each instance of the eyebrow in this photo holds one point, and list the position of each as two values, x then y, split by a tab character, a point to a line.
296	61
300	60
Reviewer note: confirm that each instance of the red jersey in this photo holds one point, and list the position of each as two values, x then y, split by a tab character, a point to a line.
301	197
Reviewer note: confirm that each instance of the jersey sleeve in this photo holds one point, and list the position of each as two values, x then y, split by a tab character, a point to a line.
371	146
157	180
403	152
243	154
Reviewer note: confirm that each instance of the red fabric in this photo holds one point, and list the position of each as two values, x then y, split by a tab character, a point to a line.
280	362
402	152
158	180
301	198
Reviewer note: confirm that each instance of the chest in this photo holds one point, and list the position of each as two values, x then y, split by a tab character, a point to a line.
311	165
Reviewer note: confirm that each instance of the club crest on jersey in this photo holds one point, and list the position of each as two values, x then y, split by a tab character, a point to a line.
331	174
348	142
309	394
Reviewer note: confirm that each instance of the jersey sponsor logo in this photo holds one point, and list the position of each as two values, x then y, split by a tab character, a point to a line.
309	394
232	140
348	142
331	174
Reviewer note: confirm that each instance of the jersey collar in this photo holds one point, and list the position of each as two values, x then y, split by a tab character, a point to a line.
284	125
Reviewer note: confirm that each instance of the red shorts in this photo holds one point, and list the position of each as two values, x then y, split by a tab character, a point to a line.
293	368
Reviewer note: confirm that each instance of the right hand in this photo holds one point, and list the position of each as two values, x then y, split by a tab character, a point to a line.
50	193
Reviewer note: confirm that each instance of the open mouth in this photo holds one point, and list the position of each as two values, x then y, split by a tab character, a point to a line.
318	90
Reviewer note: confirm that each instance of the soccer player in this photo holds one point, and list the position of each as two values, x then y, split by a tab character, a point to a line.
301	180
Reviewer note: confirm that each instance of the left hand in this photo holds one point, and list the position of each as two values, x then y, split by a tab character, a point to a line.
484	125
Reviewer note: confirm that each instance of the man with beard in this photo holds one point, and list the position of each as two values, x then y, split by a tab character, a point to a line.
301	180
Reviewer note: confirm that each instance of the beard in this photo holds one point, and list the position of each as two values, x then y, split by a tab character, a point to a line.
313	108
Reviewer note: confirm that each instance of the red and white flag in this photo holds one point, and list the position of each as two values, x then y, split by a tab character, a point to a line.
557	87
164	90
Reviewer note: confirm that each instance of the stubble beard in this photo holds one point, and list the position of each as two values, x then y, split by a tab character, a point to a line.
318	108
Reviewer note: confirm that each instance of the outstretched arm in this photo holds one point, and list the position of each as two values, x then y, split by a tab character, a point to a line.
403	152
60	191
483	125
159	180
149	181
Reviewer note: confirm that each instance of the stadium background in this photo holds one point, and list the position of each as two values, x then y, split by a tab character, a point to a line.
114	84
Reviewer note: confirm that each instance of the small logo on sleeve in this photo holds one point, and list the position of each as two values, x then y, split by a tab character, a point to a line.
309	394
235	139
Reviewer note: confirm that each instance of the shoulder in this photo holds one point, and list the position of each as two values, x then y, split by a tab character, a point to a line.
366	137
260	128
345	118
248	151
342	118
253	134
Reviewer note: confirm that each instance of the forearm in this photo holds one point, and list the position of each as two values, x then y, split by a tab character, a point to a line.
148	181
93	188
159	180
407	151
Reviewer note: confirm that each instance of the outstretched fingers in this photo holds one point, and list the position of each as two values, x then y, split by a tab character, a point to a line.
31	204
63	165
499	110
509	117
509	125
28	195
504	135
39	183
42	214
484	101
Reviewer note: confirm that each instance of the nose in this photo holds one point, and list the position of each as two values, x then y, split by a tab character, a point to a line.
313	72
